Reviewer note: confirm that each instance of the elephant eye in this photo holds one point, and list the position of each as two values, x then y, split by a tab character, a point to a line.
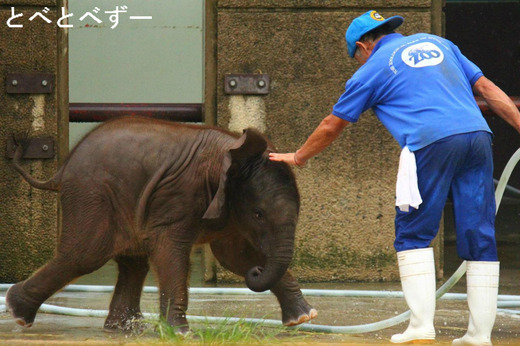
258	214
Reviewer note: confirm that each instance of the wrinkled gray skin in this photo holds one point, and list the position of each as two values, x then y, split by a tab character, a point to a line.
143	192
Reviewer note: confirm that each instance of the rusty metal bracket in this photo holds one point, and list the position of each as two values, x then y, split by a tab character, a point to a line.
36	148
246	84
29	83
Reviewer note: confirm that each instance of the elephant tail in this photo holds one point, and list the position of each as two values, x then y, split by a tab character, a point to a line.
52	184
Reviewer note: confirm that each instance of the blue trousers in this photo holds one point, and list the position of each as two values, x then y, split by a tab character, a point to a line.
458	167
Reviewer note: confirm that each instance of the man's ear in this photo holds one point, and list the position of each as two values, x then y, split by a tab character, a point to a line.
362	46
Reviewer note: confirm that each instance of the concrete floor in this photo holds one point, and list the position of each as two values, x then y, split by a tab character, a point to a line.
450	320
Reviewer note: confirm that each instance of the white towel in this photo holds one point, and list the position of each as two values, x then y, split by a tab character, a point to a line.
406	190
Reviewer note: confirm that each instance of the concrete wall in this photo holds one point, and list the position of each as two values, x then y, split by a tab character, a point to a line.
29	217
346	227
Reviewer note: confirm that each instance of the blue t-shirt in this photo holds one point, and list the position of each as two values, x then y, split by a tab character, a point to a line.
420	88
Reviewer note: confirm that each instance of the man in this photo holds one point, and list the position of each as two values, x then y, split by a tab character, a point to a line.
421	88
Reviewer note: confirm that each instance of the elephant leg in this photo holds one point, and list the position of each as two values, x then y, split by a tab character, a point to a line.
125	305
83	247
24	298
237	255
170	261
295	309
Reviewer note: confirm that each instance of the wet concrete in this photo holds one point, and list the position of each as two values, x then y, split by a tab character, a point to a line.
450	320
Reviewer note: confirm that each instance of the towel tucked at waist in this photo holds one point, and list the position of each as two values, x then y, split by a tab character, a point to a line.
406	190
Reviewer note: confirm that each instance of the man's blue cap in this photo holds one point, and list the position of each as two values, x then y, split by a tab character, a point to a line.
365	23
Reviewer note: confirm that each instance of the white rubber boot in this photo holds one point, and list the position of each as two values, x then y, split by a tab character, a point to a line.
482	281
417	271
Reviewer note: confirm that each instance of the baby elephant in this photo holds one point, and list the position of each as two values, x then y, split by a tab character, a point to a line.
143	192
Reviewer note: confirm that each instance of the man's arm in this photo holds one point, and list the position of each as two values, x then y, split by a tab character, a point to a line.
498	101
327	131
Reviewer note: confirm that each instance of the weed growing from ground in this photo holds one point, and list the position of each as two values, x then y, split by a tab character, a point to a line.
226	332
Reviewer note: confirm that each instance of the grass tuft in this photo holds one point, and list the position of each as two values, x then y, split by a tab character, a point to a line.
226	332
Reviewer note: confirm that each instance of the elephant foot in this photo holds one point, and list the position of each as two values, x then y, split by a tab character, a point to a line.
180	326
297	314
313	313
21	307
182	331
124	321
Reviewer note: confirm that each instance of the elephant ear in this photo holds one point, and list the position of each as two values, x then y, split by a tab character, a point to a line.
251	144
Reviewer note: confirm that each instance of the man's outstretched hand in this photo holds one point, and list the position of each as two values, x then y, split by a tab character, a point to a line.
289	158
328	130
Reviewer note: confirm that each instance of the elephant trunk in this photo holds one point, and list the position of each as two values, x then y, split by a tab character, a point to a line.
259	279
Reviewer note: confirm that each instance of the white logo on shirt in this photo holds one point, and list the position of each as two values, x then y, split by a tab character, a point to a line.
422	55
